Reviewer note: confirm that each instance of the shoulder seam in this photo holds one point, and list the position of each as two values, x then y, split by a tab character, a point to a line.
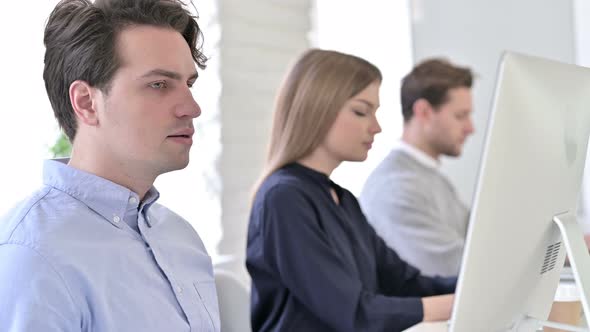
48	189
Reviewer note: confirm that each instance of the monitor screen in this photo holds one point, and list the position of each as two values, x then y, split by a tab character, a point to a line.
531	171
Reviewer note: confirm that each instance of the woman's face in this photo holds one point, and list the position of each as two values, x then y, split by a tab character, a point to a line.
351	136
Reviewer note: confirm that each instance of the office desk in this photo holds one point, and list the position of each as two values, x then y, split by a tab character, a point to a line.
566	292
429	327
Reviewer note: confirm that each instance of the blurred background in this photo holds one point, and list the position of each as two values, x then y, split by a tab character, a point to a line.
251	45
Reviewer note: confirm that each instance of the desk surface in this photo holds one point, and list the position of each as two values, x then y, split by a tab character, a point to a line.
566	291
429	327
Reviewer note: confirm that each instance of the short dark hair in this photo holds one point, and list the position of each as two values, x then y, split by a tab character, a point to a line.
431	80
80	41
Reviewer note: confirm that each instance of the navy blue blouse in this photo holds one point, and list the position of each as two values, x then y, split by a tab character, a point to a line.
319	266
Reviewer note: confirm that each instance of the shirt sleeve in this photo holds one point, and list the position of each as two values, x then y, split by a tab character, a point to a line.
398	278
298	250
406	219
33	297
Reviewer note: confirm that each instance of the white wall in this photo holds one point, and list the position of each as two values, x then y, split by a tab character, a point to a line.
259	40
378	31
582	32
27	128
474	33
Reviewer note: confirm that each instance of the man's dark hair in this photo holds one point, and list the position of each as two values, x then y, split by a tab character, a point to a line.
80	39
431	80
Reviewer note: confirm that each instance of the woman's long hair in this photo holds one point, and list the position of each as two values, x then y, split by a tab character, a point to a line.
313	92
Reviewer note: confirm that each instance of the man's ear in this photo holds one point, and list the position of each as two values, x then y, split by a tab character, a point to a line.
84	101
422	109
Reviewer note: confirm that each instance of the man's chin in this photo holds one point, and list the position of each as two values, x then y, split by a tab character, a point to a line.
182	165
455	153
174	166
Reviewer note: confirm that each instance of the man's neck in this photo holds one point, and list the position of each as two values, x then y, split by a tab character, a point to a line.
420	144
112	171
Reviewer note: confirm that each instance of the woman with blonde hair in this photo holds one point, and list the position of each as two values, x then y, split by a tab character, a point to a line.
315	262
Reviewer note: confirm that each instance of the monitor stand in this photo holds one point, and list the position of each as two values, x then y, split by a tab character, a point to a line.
577	252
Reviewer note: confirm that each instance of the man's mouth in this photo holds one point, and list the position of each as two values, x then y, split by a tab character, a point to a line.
184	136
184	133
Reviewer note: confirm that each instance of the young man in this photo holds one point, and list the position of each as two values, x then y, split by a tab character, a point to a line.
412	206
92	250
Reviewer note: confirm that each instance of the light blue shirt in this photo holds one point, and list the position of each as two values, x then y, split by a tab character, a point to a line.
84	254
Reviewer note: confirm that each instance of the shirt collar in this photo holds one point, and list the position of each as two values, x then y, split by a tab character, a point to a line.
310	172
148	200
106	198
316	176
418	154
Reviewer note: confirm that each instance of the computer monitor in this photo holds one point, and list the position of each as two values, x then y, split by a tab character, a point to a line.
529	180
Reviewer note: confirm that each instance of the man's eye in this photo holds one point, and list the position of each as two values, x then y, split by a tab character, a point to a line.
159	85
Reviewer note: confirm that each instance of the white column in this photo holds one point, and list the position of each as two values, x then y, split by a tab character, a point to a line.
259	40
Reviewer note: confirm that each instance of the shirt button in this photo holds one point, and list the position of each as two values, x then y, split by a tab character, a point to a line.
132	200
179	289
116	219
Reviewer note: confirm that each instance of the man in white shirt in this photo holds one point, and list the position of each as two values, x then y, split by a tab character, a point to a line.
411	205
